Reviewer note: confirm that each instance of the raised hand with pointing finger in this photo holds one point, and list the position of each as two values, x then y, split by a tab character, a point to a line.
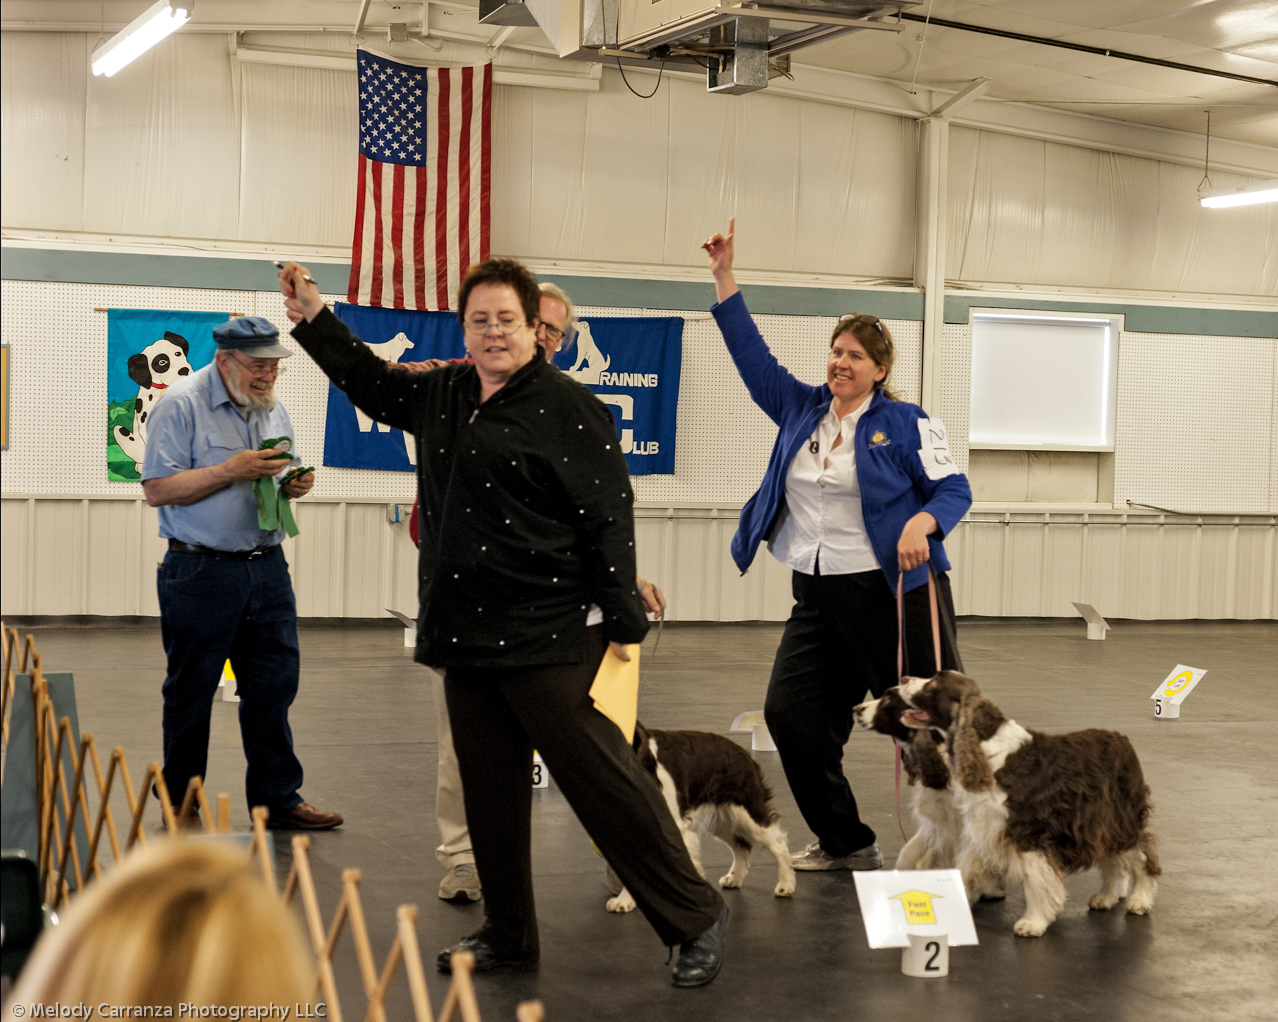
719	248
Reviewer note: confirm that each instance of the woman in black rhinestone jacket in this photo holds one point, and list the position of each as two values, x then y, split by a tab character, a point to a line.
526	527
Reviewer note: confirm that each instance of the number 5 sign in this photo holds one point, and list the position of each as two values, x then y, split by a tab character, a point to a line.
1174	688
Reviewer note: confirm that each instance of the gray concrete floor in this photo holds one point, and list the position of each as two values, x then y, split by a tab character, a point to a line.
364	723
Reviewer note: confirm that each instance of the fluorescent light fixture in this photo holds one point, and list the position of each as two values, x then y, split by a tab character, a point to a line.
1242	195
157	22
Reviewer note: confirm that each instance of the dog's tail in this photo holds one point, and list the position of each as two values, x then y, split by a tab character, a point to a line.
758	802
1148	847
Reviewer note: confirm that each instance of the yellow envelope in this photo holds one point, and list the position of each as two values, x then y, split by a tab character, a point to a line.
616	690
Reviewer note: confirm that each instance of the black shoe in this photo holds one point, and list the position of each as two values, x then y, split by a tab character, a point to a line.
701	958
486	959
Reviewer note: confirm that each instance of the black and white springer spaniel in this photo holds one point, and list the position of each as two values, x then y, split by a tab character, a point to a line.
1039	807
712	785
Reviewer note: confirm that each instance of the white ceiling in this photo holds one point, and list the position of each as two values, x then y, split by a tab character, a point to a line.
1240	36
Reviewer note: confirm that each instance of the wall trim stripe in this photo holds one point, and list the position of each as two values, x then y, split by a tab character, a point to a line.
79	266
239	274
1144	319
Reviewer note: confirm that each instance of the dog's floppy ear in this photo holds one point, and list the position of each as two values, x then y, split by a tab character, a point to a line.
643	749
179	340
931	767
958	683
970	763
140	370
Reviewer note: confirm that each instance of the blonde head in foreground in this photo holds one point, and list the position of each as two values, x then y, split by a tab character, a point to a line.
179	921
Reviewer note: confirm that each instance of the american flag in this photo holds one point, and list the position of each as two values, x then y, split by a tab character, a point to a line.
425	158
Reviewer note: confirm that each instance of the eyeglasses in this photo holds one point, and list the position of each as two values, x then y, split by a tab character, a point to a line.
553	333
260	367
505	327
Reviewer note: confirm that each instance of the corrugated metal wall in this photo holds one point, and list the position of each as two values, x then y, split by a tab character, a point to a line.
98	556
194	144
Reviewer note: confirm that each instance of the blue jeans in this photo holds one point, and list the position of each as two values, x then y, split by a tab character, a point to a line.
212	611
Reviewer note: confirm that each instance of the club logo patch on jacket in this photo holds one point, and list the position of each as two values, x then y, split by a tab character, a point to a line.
878	439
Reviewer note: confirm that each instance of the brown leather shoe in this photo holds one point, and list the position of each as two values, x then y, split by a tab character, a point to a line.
304	816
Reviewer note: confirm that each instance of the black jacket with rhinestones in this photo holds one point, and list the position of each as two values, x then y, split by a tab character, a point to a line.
525	505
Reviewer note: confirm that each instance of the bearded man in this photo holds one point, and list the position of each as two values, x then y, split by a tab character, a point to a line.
224	587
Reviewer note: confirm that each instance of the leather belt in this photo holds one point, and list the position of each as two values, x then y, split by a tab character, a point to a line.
221	555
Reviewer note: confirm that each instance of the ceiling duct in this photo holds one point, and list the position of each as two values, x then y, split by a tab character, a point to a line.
740	45
507	12
738	61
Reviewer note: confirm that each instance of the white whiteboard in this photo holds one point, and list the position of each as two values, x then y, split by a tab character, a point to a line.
1043	382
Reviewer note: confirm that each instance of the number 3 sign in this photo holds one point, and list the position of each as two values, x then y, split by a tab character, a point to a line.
540	778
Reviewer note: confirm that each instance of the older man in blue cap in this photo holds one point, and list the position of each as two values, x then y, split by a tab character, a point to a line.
224	586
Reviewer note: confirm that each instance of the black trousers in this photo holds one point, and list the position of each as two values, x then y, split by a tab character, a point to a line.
498	716
840	641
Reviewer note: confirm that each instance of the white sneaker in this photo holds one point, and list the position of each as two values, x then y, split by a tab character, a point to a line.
814	857
460	882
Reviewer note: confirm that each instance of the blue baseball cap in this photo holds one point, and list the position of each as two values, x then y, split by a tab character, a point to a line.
253	335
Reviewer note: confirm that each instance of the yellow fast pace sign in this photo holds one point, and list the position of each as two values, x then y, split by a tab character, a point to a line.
918	907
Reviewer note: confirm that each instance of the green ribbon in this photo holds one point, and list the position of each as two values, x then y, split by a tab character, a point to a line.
273	511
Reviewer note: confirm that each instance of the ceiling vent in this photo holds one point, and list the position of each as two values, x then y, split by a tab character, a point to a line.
740	46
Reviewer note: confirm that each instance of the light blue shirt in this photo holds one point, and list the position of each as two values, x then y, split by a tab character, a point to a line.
197	425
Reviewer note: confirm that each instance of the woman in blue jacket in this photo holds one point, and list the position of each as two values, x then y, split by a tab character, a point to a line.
859	492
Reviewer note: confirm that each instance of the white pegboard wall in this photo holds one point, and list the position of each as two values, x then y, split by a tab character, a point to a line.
58	394
57	377
1195	424
1273	437
955	397
57	419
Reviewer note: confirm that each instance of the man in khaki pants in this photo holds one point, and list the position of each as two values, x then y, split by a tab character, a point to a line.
454	851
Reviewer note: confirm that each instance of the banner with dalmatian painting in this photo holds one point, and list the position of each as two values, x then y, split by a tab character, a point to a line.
631	364
148	350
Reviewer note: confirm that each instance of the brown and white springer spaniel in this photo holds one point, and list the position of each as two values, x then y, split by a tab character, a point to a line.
1040	807
937	839
935	843
714	786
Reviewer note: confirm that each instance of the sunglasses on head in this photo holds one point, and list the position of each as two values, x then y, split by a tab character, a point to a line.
868	320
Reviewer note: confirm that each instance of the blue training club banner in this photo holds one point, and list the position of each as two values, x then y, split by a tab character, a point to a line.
632	365
351	438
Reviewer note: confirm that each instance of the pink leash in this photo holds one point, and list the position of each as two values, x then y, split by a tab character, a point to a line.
900	661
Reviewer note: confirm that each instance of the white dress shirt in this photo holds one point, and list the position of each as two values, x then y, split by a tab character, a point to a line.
822	512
